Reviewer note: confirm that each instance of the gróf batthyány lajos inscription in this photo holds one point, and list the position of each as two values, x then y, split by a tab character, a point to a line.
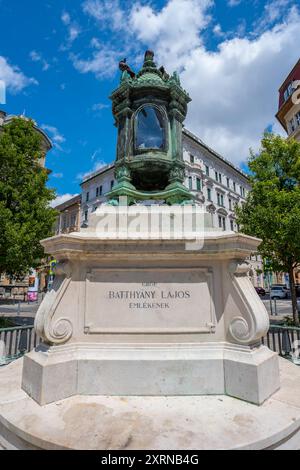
149	301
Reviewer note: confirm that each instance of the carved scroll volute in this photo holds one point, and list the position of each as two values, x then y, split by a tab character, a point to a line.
60	330
253	323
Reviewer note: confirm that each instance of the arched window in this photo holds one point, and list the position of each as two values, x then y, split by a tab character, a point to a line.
150	129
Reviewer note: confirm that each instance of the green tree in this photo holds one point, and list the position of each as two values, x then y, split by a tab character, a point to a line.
25	214
272	208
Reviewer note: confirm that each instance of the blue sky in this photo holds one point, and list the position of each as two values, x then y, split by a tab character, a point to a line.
59	60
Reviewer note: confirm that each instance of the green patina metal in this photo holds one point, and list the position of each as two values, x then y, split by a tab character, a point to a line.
155	99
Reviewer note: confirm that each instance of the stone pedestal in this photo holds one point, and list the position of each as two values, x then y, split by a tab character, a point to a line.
151	316
98	422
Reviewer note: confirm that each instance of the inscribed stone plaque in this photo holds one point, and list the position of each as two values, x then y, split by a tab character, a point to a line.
149	301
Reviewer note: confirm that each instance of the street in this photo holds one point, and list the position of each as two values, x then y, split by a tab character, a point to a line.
21	313
25	313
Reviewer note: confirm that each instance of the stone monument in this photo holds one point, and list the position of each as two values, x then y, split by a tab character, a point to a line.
146	321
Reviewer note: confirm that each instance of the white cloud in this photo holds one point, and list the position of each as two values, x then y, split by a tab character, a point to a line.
105	11
56	137
14	79
218	30
37	57
73	29
95	43
234	89
57	175
65	18
103	63
100	106
174	30
234	3
74	32
98	165
61	199
273	12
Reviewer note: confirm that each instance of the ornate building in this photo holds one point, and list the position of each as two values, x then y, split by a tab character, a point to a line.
289	103
68	219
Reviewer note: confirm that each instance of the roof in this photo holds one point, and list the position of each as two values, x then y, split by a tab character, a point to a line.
93	174
290	76
70	202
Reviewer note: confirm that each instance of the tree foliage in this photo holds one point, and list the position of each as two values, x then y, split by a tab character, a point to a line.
25	214
272	208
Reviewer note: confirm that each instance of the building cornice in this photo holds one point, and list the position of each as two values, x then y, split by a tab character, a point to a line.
96	173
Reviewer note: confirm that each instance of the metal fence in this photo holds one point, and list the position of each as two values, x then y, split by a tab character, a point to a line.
285	340
14	342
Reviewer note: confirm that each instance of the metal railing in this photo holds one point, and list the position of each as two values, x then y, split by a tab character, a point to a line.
16	341
282	339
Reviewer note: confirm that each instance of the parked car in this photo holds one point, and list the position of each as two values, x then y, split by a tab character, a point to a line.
278	292
260	291
284	286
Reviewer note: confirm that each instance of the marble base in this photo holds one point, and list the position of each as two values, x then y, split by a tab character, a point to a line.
129	422
55	373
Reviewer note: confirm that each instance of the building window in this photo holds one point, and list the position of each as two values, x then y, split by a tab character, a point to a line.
228	182
220	178
220	199
209	194
198	182
241	190
87	196
207	170
190	182
222	222
291	125
234	186
232	225
216	176
230	204
192	159
244	192
100	190
97	192
288	92
298	118
86	213
112	184
64	221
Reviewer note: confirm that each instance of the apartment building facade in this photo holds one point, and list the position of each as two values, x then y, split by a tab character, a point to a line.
289	103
